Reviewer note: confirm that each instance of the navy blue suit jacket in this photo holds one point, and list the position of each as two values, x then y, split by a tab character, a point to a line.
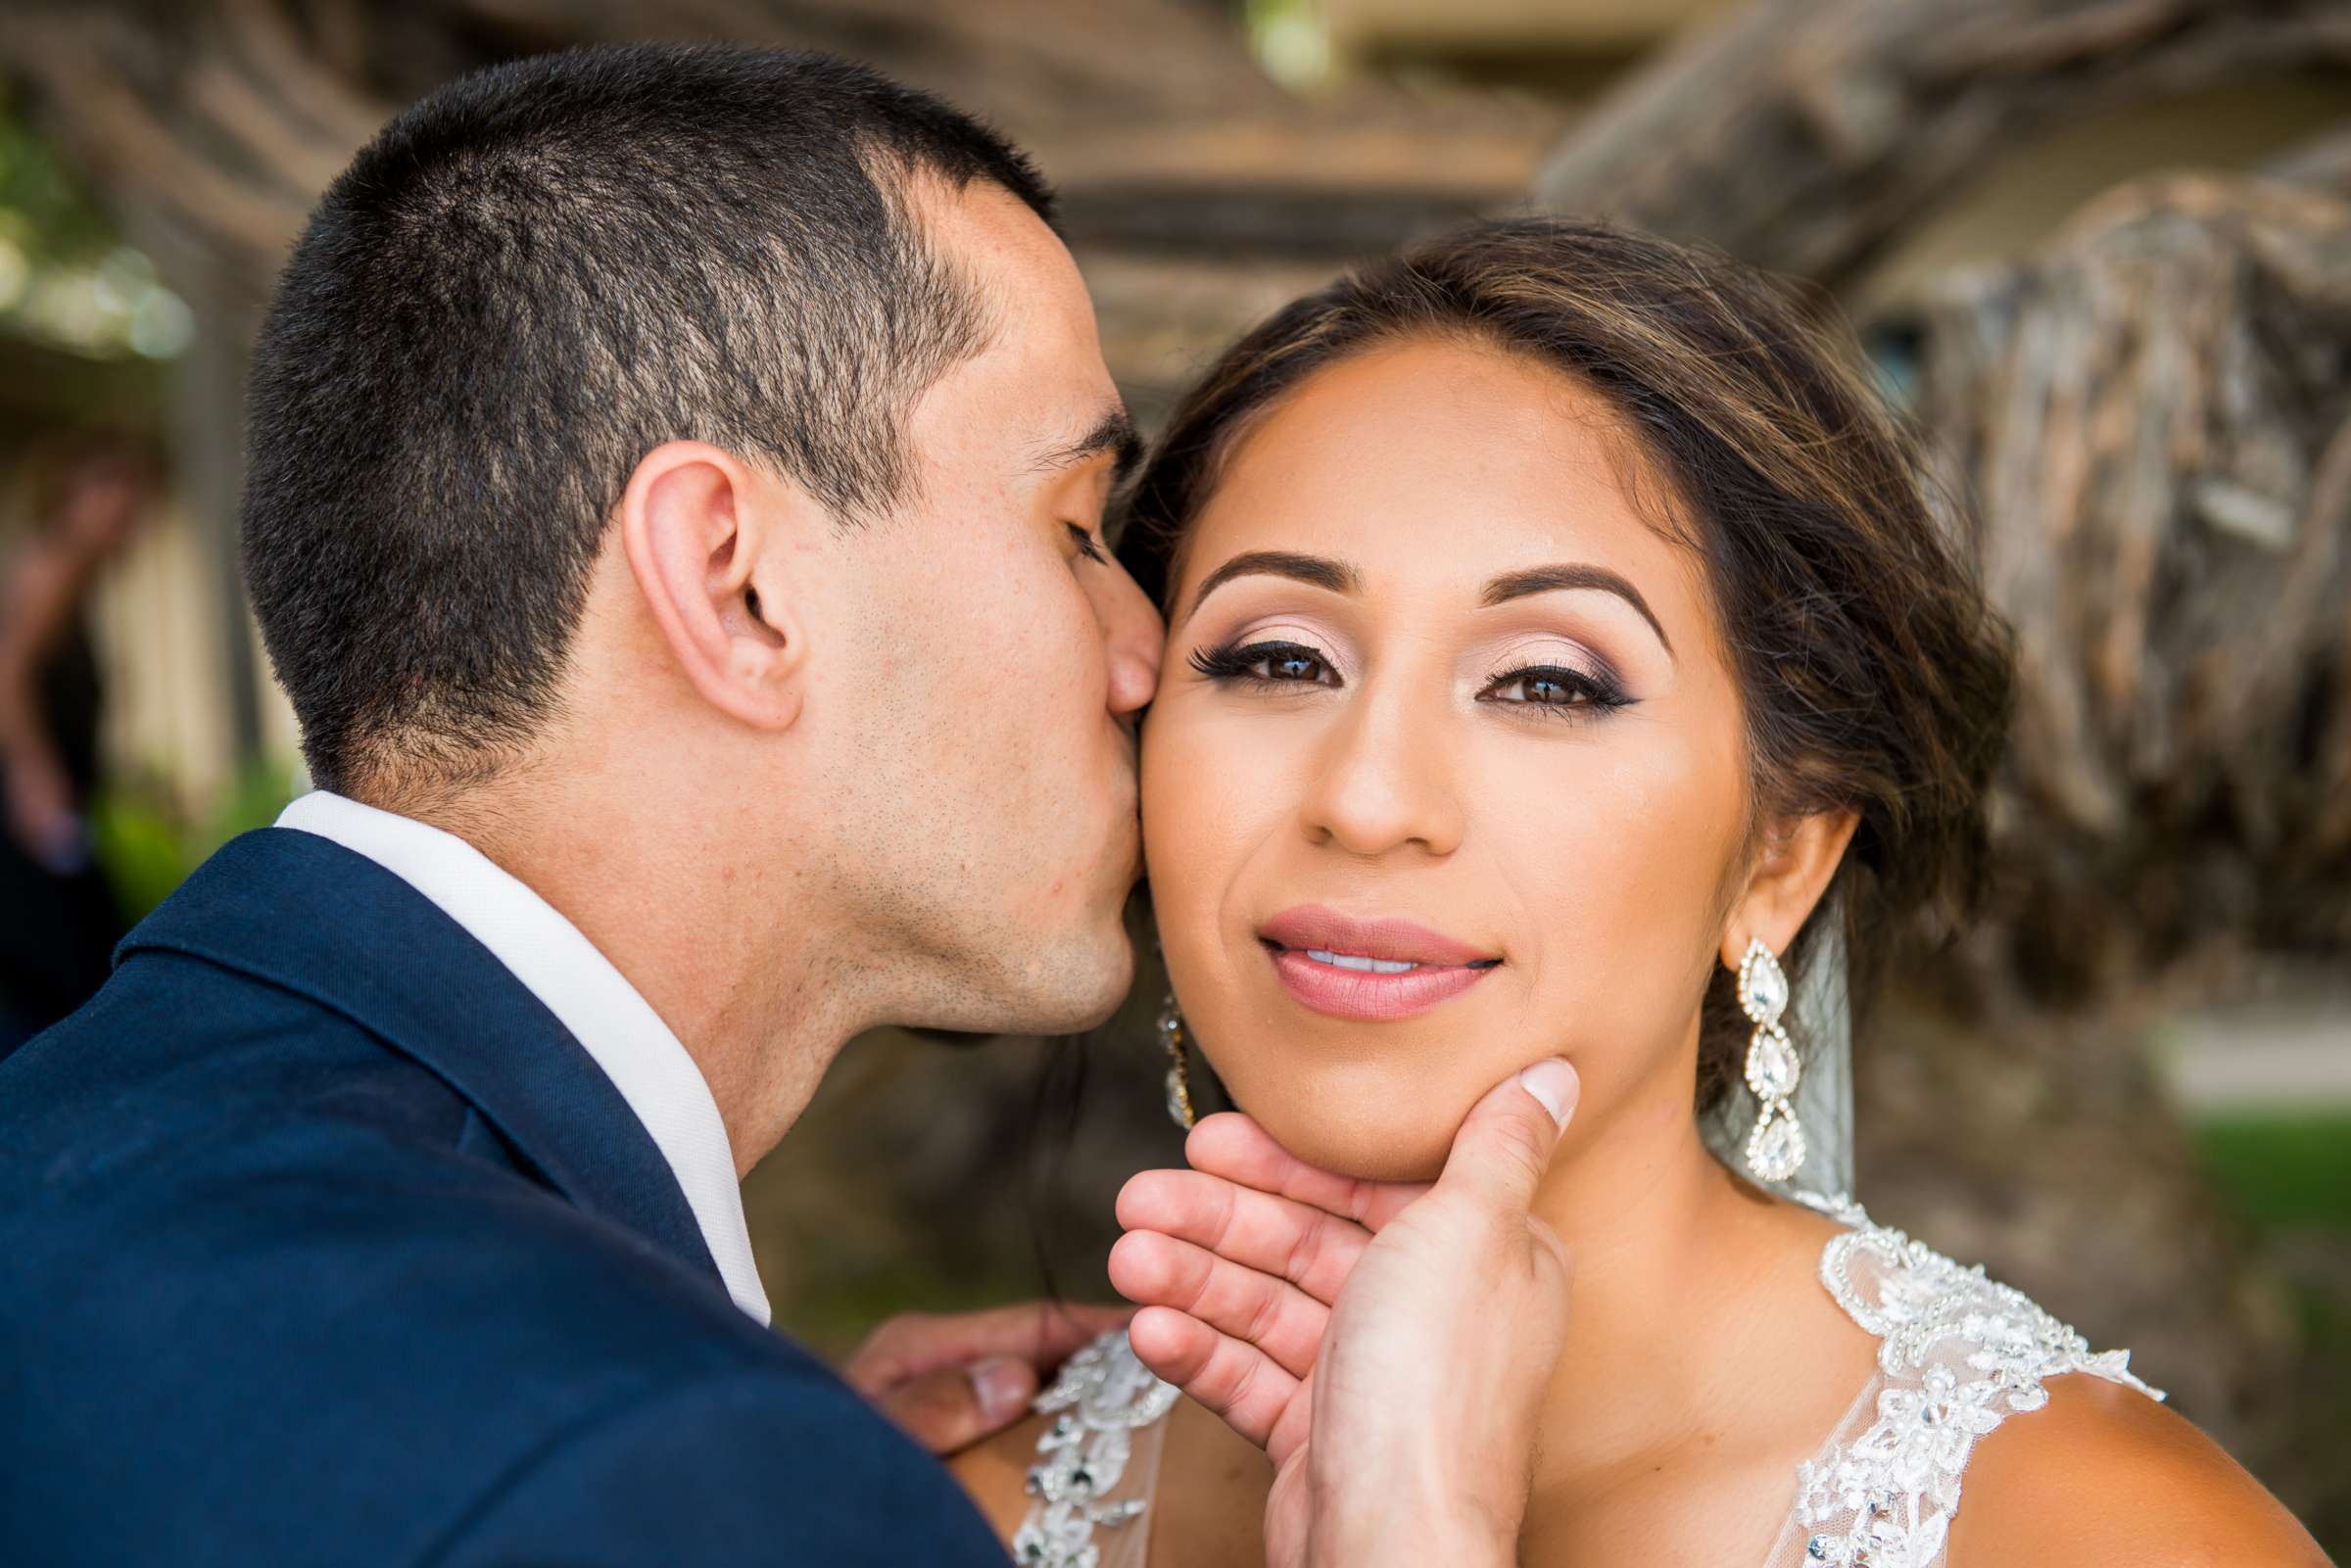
323	1242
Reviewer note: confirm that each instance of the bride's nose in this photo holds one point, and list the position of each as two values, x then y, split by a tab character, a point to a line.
1384	783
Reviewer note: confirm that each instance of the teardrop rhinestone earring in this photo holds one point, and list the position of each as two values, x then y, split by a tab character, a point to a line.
1775	1150
1179	1079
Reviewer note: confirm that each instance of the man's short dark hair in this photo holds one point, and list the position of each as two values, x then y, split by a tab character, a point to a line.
527	281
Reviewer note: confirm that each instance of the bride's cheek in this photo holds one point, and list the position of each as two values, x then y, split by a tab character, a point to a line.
1185	854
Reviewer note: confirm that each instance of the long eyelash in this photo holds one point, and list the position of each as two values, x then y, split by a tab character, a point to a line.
1602	690
1235	662
1087	546
1216	664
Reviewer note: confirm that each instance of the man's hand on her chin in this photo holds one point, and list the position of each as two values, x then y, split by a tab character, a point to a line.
1386	1343
952	1381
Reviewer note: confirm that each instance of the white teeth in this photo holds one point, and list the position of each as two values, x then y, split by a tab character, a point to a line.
1366	966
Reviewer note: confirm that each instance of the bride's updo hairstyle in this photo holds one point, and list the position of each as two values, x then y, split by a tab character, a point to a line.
1872	673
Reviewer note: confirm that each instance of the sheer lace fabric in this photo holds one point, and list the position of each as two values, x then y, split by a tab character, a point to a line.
1097	1464
1957	1354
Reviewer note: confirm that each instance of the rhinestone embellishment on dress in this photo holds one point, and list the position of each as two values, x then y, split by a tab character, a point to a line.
1957	1354
1102	1397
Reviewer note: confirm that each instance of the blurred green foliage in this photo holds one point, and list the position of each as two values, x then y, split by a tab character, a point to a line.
66	280
2288	1172
42	206
2283	1167
147	844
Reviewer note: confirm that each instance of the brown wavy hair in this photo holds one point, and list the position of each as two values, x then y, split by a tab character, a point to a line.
1873	674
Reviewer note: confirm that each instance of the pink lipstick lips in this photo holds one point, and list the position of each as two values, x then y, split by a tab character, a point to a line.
1373	971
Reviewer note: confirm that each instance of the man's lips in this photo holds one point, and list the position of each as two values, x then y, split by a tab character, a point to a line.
1369	970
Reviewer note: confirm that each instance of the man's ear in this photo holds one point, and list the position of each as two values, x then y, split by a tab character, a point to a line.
697	525
1800	855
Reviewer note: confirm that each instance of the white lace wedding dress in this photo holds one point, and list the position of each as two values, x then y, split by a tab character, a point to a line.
1957	1354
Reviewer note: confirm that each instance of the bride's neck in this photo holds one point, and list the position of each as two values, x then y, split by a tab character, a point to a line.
1666	1251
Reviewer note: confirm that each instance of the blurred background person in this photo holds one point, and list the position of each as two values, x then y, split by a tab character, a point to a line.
59	915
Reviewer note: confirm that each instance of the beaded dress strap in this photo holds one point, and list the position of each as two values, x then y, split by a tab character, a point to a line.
1097	1461
1957	1354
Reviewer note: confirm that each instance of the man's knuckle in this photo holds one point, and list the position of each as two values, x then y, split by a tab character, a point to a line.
1192	1286
1265	1312
1307	1252
1514	1154
1244	1378
933	1405
899	1326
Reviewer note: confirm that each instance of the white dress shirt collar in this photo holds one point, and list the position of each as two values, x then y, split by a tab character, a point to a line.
561	968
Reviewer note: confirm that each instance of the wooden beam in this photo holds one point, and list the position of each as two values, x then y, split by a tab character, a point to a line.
1803	135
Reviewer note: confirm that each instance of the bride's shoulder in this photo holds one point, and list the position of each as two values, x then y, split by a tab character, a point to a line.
2102	1474
2069	1457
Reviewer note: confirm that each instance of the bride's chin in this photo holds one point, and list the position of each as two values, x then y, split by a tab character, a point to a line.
1390	1138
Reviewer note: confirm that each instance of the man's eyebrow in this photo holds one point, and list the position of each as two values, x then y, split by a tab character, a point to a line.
1114	434
1318	570
1546	579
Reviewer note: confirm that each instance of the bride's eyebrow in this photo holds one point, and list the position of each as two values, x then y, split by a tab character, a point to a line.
1548	579
1317	570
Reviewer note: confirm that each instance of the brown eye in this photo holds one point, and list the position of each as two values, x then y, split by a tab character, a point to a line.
1554	687
1293	664
1545	688
1267	664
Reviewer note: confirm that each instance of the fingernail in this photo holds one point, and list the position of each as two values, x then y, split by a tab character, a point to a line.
1001	1385
1554	1083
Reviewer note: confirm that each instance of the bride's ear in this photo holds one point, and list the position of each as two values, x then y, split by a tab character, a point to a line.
1790	870
696	527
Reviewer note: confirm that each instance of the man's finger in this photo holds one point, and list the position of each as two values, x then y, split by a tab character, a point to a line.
1242	1304
1238	1382
953	1408
1041	1334
1505	1143
1310	1248
1233	1146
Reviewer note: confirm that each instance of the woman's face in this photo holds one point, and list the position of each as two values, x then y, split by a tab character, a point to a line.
1446	771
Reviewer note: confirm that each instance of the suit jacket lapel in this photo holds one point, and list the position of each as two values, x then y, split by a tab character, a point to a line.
305	914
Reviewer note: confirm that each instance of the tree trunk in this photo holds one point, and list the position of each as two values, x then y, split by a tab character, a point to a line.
2150	423
1805	135
2152	420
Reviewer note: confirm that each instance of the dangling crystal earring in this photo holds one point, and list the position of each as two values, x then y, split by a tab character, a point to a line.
1775	1150
1179	1079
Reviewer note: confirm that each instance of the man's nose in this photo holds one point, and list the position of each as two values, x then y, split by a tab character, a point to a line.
1133	637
